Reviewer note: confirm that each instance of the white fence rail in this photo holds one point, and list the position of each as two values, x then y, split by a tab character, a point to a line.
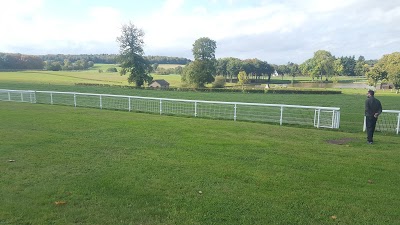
389	120
320	117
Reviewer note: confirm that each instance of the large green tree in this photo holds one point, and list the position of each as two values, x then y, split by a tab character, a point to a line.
323	63
376	74
131	56
204	49
198	73
203	69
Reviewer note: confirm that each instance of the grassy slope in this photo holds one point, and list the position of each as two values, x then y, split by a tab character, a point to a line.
114	167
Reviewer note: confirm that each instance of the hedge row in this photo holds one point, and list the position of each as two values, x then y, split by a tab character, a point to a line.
231	90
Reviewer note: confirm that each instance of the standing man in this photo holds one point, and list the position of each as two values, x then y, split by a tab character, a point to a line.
373	109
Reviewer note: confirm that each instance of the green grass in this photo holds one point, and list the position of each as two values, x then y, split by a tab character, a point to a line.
113	167
72	77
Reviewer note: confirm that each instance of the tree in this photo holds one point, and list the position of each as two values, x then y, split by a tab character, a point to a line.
391	64
233	67
281	70
293	69
323	63
309	68
203	69
219	82
222	66
349	64
242	78
338	67
198	73
131	55
376	74
204	49
359	68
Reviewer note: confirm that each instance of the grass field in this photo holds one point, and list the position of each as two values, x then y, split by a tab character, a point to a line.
91	166
72	77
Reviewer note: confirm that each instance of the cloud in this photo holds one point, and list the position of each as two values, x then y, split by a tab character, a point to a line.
277	31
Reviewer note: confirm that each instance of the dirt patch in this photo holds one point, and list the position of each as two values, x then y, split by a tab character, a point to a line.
340	141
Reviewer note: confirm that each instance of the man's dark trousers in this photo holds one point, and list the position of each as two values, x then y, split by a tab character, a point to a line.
370	122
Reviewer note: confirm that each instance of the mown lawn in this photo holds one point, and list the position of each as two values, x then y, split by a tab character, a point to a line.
91	166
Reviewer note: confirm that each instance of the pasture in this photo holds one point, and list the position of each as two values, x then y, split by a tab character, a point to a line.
65	165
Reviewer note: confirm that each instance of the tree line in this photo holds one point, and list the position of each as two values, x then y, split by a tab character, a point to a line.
16	61
55	62
205	67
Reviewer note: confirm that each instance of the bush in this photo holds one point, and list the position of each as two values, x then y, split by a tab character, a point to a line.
112	70
219	82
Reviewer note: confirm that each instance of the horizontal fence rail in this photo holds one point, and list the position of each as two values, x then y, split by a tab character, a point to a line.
389	121
320	117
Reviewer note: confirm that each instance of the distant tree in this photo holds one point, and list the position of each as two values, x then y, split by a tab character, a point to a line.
111	70
53	66
222	66
349	63
198	73
202	70
359	67
375	74
242	78
178	70
307	68
219	82
338	67
282	70
131	57
294	70
233	67
204	49
323	63
16	61
390	63
155	66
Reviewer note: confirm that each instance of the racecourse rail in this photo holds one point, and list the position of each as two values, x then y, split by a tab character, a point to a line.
319	117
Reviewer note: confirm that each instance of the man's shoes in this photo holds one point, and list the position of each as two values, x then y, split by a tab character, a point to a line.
370	142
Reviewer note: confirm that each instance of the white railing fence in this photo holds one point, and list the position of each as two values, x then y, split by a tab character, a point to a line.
389	121
320	117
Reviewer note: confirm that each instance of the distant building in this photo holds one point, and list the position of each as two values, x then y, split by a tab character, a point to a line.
159	84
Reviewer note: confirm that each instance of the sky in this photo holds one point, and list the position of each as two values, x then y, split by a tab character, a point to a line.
276	31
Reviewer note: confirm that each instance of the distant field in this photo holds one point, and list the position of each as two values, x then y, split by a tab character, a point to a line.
73	77
168	66
91	166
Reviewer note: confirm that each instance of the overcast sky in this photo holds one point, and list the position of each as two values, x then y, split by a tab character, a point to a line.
277	31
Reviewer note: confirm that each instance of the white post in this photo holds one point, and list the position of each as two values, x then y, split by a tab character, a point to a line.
9	96
75	100
51	98
129	103
398	124
319	117
337	119
22	97
101	103
160	106
195	109
365	125
235	112
281	119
